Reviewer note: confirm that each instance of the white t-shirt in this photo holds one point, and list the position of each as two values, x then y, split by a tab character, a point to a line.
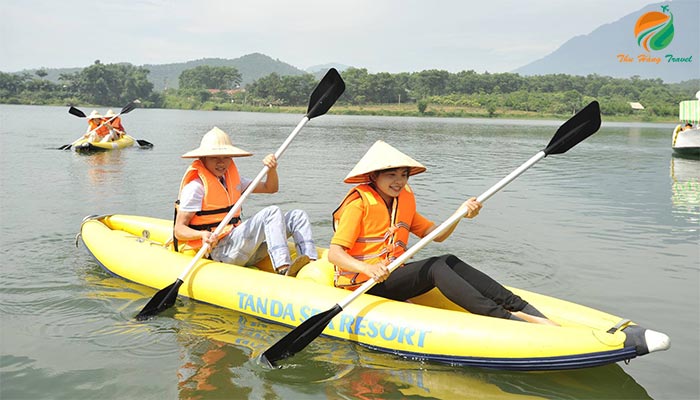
193	194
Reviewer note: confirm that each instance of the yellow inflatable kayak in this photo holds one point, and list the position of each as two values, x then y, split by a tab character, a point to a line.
85	146
428	327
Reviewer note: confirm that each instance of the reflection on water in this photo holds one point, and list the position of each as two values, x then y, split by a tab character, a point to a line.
104	166
685	187
350	371
218	351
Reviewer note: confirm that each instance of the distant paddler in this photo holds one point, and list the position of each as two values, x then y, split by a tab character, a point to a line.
97	130
116	128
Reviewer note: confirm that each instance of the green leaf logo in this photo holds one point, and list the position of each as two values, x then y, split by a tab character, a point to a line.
654	30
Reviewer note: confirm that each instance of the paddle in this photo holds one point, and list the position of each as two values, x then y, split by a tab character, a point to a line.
323	97
579	127
78	113
144	143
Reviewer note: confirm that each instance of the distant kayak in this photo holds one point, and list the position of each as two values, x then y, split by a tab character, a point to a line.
428	327
86	146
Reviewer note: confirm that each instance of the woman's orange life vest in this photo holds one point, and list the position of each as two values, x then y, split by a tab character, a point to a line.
93	125
383	236
217	200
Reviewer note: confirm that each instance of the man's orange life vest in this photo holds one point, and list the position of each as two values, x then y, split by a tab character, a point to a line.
117	124
383	237
217	201
102	131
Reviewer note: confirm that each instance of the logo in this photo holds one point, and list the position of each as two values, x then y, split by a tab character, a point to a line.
654	30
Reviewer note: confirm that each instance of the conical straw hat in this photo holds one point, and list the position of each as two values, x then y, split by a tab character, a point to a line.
216	143
94	114
379	157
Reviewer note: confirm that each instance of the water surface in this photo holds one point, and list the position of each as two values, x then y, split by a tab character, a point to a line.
612	224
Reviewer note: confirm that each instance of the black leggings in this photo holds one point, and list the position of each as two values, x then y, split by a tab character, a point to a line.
463	284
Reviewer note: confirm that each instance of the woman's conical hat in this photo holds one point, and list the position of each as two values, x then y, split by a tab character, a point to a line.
216	143
379	157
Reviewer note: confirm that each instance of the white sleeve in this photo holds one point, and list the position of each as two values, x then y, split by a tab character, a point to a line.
245	182
192	196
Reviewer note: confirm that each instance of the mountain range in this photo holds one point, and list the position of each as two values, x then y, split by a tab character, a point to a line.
251	66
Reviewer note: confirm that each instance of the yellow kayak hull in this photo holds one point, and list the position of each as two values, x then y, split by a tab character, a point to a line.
429	327
86	146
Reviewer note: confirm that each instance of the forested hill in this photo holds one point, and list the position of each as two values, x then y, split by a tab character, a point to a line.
599	52
252	67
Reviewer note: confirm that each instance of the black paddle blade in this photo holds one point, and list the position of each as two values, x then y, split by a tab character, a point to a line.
64	147
144	143
299	337
164	299
582	125
129	107
325	94
76	112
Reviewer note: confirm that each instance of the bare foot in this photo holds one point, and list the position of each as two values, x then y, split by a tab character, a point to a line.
534	320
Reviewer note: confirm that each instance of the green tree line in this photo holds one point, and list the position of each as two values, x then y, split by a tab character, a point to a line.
206	87
100	84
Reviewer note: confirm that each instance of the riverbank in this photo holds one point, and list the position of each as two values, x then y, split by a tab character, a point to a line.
409	110
439	111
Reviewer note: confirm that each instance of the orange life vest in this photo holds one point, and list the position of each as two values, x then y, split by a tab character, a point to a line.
93	124
217	201
383	237
117	124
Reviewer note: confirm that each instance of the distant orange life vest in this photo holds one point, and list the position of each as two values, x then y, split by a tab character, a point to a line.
117	124
217	201
383	237
93	124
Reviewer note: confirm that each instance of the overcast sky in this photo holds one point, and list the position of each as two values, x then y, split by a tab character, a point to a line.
380	35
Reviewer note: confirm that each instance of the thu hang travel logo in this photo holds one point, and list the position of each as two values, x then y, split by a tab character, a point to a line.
654	31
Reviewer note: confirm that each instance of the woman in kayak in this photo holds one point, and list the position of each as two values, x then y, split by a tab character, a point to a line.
372	225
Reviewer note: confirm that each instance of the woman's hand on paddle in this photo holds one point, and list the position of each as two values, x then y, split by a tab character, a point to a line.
378	272
339	256
473	206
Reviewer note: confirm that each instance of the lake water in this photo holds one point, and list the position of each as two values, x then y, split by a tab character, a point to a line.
613	224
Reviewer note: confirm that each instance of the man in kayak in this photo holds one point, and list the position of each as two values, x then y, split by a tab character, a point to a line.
372	226
210	188
116	129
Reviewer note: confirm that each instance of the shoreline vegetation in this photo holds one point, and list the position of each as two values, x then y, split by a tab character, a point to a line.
435	111
428	93
400	110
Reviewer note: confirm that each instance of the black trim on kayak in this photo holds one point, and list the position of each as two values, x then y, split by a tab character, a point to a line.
89	148
634	337
575	361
